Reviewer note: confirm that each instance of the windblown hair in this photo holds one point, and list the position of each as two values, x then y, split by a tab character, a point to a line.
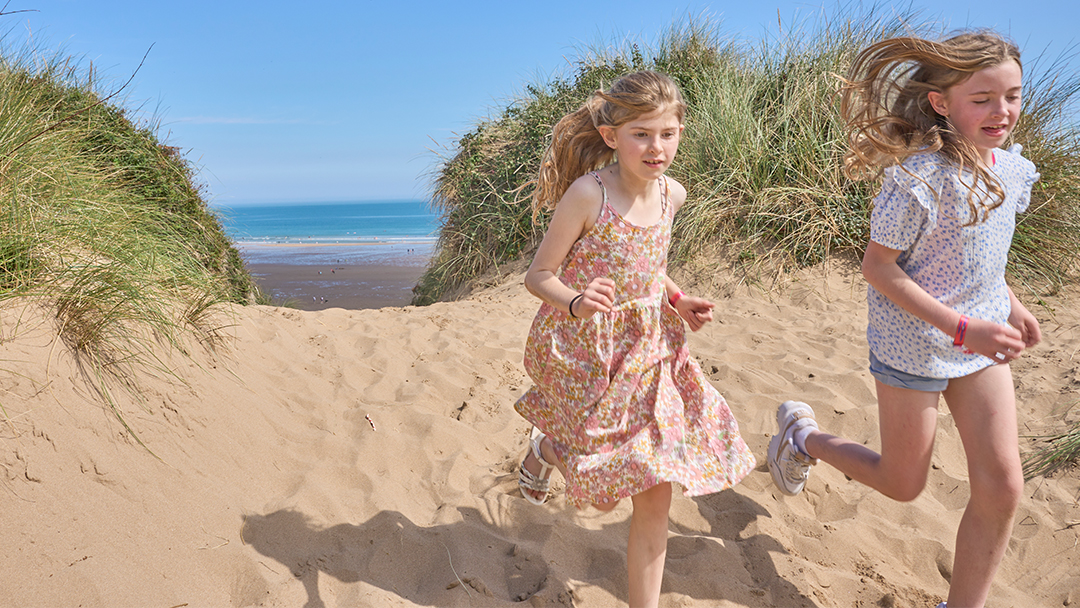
576	144
885	104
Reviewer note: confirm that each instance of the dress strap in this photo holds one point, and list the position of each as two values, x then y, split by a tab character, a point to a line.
603	190
665	192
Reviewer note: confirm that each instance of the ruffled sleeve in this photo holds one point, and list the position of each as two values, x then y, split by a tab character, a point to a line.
1025	177
907	204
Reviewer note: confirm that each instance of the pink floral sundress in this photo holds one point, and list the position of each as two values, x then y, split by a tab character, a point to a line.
626	406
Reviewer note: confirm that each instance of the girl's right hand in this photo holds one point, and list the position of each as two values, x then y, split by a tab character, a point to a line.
599	296
1001	343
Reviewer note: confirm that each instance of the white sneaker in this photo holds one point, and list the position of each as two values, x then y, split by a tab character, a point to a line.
789	466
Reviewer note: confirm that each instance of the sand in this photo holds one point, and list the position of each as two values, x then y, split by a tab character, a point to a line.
348	286
353	276
367	457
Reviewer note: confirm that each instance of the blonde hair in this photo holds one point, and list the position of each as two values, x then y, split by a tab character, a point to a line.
577	147
885	104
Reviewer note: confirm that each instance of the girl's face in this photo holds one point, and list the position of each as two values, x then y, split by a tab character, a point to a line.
646	145
984	108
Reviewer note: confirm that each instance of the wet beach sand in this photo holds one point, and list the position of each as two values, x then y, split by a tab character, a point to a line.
337	286
349	276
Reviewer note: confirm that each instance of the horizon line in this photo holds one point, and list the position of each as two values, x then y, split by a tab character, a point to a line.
268	203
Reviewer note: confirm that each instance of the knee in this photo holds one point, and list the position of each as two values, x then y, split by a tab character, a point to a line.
906	488
1000	490
654	502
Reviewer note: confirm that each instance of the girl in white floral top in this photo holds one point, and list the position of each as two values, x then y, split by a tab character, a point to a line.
932	117
623	409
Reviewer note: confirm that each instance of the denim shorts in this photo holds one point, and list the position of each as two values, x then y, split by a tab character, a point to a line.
898	379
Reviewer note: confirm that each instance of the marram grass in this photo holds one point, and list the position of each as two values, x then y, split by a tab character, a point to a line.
103	226
760	156
1054	452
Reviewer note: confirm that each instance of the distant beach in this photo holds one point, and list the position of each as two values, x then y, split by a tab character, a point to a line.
335	255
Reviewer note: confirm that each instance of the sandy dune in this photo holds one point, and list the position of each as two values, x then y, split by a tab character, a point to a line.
366	458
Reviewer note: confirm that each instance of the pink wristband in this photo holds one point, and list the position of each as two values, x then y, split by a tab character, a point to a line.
961	331
675	298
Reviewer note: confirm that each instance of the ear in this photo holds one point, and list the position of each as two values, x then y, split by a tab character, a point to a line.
938	102
608	133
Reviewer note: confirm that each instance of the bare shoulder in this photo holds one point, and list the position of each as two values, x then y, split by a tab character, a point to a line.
584	188
573	217
677	192
582	200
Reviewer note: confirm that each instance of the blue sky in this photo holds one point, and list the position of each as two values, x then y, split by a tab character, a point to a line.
330	101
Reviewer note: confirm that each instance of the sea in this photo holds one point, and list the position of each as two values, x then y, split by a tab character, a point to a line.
318	234
314	256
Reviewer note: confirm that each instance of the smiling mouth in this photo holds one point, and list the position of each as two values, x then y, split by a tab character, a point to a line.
996	130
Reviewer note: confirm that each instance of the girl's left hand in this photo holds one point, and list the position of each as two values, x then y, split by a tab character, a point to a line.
695	311
1022	319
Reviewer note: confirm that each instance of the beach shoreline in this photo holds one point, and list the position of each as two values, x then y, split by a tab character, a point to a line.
353	276
352	287
242	245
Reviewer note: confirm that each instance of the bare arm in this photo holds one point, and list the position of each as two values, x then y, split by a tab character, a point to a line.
574	215
983	337
694	310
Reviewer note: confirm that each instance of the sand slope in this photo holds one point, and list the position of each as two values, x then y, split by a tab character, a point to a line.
268	485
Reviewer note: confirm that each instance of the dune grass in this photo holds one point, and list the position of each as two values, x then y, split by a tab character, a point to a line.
103	225
1053	452
760	156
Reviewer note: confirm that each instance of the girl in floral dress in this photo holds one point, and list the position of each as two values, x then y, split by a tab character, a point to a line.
622	408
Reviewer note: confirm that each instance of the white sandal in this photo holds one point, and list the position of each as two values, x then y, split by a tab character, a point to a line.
535	483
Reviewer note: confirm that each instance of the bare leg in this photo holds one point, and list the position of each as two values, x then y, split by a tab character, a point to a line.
646	549
984	408
906	420
532	465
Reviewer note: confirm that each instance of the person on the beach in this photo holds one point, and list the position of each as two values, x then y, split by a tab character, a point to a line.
623	409
942	320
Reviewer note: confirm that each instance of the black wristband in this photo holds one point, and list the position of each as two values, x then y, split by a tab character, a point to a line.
572	302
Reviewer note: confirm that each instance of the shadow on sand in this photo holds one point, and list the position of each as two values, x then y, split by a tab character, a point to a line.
472	562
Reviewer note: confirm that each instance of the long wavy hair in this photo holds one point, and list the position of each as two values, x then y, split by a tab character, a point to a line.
885	104
577	147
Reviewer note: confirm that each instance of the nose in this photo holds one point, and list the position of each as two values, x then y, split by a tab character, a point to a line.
1001	107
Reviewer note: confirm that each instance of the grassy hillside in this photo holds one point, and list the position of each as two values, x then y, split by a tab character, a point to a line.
102	223
760	156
